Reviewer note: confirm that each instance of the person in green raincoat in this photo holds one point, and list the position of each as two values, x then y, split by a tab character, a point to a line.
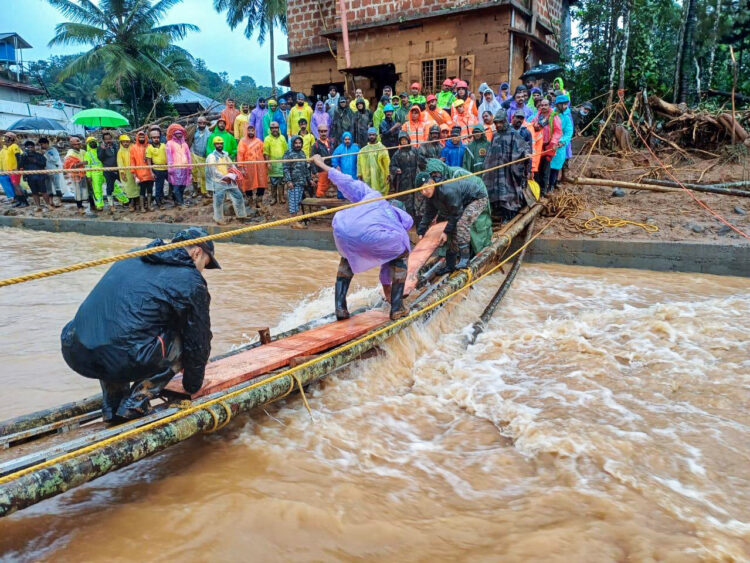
373	163
399	110
230	143
481	229
95	176
476	151
379	114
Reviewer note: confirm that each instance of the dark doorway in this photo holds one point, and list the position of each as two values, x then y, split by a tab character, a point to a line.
320	91
379	75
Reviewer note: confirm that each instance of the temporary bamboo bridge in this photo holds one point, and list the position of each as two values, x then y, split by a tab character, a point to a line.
52	451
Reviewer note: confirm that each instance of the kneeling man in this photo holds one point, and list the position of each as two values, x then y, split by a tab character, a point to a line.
145	320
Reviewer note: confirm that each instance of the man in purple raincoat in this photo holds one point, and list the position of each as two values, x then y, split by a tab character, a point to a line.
366	236
256	117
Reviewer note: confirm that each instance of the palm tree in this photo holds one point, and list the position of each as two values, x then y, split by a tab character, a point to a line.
261	15
126	41
81	88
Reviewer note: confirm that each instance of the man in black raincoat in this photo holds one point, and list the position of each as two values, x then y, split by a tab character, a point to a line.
341	121
361	122
505	185
403	169
146	319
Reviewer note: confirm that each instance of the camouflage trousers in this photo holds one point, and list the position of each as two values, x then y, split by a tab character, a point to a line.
471	213
391	272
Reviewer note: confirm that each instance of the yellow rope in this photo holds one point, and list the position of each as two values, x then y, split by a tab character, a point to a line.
286	373
570	206
215	417
304	398
225	234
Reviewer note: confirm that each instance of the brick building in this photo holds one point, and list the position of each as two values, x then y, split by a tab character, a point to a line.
397	42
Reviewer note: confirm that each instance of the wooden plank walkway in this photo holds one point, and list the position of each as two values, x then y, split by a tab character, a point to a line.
238	368
421	253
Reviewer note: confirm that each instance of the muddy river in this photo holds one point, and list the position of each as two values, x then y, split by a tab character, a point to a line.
603	416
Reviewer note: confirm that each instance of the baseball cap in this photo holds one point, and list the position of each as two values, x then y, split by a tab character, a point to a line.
207	246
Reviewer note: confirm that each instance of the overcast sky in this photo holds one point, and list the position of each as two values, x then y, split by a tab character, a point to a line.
222	49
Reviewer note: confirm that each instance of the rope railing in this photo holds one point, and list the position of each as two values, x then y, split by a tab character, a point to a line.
204	164
233	232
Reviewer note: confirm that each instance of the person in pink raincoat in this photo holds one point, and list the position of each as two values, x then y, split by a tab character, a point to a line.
178	152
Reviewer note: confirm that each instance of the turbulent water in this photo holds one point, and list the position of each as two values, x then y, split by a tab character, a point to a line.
603	416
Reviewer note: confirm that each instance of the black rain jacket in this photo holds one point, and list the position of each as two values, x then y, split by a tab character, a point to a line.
122	330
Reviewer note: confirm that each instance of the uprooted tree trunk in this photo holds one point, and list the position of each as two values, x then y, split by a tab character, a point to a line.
687	128
732	126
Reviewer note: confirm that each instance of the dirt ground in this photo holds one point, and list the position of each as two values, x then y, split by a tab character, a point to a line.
676	214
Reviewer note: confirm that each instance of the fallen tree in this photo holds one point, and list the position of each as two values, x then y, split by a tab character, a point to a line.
658	186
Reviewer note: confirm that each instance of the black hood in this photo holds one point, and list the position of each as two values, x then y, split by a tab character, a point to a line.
174	257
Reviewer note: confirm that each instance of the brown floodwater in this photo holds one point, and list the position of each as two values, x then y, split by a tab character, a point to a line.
603	416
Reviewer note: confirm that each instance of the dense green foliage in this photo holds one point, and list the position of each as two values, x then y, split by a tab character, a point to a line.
82	87
656	37
140	61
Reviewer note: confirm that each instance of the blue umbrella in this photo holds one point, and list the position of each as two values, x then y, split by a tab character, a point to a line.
36	124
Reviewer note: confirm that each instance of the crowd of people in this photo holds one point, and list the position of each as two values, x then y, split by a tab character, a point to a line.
262	156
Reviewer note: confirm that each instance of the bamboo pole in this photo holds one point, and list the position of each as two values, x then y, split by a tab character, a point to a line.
50	416
660	186
35	486
479	326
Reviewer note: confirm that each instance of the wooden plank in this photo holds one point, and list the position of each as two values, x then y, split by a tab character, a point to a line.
421	253
238	368
323	202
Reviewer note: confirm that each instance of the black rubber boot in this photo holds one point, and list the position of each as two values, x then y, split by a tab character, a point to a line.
138	404
450	264
464	253
398	310
342	288
113	393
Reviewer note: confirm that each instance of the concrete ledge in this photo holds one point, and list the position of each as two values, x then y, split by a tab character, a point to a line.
663	256
279	236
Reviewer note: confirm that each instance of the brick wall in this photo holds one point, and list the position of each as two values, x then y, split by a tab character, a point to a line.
304	23
304	16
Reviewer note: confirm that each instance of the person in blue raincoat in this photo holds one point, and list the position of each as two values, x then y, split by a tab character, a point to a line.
345	157
566	121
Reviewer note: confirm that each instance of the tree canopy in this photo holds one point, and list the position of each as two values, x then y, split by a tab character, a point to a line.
673	50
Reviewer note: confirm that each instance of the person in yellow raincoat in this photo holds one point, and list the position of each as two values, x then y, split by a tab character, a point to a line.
302	109
127	180
373	162
96	176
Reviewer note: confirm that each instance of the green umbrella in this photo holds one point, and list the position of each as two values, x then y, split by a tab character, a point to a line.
99	117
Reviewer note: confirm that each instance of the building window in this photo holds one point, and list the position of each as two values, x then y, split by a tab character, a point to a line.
428	68
434	72
440	74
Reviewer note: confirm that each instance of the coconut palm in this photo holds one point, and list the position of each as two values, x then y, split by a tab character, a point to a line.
127	42
81	88
261	16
